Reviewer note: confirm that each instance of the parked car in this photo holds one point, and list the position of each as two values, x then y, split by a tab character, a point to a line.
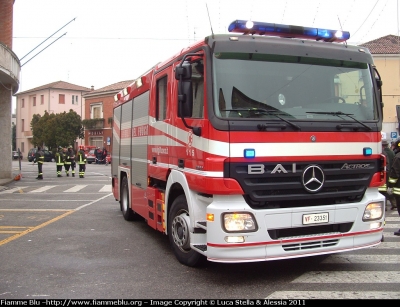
91	157
15	155
48	156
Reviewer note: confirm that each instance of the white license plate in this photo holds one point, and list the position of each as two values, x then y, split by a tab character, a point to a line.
316	218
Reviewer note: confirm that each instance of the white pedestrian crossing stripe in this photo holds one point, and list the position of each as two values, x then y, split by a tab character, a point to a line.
388	255
42	189
344	258
106	188
334	295
387	245
75	188
345	277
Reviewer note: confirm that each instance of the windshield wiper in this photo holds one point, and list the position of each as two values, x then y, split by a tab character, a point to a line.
339	113
268	112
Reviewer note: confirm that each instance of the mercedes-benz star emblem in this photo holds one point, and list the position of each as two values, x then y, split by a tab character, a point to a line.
313	178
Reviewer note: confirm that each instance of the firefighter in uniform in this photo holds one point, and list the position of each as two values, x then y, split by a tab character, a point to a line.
81	159
394	178
39	158
389	154
70	161
59	160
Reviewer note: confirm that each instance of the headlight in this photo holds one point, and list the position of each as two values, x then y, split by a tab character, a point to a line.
373	211
239	222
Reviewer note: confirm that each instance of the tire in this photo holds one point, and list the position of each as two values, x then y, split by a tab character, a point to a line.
127	212
179	233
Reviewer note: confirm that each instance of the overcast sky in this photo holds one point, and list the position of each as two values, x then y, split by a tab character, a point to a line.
117	40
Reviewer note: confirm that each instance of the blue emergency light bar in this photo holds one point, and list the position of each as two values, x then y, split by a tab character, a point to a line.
274	29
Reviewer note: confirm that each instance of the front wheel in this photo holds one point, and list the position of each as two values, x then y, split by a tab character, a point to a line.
127	212
179	233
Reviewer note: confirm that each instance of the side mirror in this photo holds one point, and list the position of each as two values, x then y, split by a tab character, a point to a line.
183	71
185	103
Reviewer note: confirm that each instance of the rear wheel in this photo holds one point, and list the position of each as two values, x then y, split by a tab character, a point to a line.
127	212
179	233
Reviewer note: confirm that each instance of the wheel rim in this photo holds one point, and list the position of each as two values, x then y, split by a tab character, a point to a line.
180	231
124	199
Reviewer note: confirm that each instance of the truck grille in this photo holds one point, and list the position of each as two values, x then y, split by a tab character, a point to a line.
344	182
309	245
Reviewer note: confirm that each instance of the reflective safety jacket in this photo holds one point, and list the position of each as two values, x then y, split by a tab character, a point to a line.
389	154
81	157
70	156
60	157
394	175
39	156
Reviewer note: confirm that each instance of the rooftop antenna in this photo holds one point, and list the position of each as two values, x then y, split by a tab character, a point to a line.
341	28
212	32
44	49
47	39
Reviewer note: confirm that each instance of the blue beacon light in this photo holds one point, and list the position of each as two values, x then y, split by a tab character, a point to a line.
249	153
367	151
290	31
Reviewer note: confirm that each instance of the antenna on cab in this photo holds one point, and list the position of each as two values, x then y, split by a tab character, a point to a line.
341	28
212	32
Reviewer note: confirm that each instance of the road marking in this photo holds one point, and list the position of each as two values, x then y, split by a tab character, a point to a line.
19	189
106	188
75	188
68	212
362	259
16	236
42	189
387	245
9	229
389	235
91	203
392	225
345	277
8	200
334	295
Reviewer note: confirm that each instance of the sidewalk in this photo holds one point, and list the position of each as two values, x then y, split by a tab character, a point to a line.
4	182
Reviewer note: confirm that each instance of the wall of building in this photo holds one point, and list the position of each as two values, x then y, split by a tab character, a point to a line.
389	69
6	22
9	84
50	104
102	136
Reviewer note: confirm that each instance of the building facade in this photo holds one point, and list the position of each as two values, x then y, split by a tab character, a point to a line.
55	97
99	113
386	53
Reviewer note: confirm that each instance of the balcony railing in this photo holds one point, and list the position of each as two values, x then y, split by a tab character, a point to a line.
94	123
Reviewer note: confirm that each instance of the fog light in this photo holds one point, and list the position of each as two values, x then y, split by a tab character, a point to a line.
375	225
234	239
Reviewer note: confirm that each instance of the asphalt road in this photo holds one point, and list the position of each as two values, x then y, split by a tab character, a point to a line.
66	238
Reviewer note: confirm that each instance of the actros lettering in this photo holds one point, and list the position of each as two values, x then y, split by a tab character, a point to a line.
355	166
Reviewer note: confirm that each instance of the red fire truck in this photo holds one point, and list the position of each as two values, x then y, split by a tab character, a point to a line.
257	145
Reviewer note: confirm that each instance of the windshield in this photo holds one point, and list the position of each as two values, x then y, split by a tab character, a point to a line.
297	88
